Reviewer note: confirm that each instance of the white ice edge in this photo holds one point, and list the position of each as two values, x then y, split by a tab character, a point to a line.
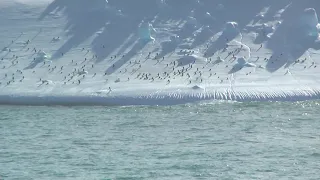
161	98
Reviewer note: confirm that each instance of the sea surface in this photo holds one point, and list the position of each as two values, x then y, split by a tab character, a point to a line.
211	140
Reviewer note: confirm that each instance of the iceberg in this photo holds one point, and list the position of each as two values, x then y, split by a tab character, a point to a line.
308	23
145	30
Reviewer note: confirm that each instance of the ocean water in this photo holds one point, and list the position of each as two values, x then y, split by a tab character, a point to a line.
218	140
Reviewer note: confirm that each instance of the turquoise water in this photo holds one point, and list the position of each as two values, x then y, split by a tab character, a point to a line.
221	140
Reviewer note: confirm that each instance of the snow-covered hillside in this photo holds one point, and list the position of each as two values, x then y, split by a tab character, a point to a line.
123	52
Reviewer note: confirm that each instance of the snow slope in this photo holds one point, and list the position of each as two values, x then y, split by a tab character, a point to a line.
123	52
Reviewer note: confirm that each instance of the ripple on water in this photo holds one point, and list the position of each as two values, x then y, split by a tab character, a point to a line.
213	140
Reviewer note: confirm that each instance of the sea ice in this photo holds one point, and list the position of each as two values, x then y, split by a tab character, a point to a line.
108	58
